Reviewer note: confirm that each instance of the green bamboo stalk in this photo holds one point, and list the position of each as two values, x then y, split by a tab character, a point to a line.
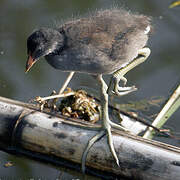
170	107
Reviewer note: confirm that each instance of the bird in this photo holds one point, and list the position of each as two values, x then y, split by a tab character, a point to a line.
110	41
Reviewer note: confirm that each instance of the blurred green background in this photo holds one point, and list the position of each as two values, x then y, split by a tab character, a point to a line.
156	77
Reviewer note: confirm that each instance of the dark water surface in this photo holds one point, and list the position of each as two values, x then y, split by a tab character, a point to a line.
156	77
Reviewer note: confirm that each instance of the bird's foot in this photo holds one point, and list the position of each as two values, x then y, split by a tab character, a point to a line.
119	74
105	130
118	90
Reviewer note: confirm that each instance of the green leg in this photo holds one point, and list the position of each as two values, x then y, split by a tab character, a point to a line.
114	84
119	74
106	125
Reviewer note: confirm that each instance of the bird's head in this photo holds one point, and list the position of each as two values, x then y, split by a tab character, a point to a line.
41	43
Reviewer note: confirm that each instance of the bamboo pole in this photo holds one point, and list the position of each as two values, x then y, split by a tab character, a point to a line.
25	129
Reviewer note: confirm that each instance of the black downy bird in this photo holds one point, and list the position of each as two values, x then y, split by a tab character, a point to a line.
107	42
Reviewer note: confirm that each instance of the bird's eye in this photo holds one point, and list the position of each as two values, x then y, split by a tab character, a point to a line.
38	53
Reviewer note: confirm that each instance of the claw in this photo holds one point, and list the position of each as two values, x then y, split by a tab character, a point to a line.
124	80
98	136
121	91
118	90
119	74
111	146
117	126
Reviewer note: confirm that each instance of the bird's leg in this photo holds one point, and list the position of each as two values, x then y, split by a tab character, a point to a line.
64	86
119	74
106	125
68	79
105	116
41	100
114	84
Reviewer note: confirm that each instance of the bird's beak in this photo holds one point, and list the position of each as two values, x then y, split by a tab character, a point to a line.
29	63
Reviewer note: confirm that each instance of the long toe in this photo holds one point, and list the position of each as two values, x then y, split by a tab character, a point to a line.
121	91
117	126
111	145
105	130
93	140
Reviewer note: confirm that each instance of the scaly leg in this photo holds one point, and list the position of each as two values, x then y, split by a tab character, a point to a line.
114	84
106	125
119	74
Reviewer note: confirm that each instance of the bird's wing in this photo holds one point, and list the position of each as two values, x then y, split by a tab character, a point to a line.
88	32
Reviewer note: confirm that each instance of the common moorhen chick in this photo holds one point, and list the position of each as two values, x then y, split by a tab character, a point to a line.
107	42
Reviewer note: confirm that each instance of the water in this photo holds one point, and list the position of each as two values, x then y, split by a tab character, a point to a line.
18	19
